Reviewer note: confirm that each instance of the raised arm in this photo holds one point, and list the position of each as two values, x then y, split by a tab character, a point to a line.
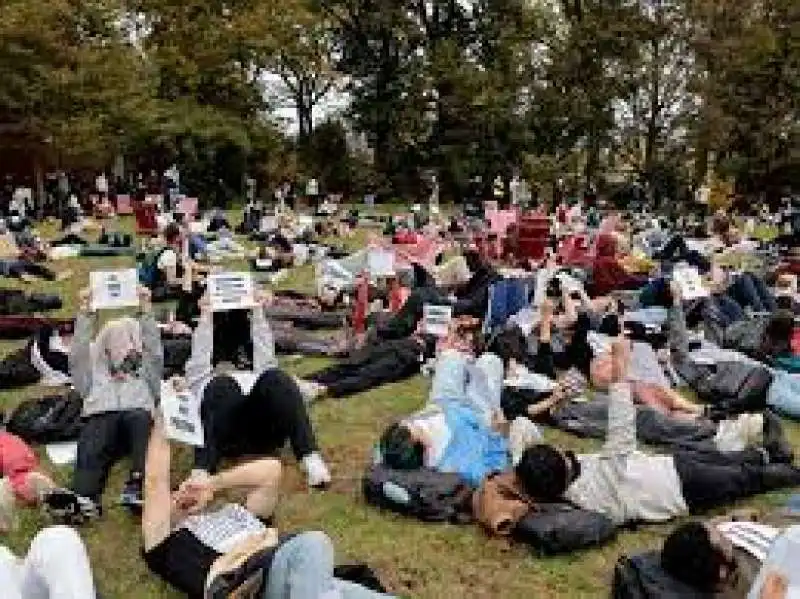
678	336
153	352
81	363
157	510
264	357
621	433
199	368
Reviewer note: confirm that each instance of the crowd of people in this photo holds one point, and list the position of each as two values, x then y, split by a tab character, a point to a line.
601	345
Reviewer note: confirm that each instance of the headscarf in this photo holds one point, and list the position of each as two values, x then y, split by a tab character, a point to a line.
118	346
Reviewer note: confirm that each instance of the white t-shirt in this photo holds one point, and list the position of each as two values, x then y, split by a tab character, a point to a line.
167	259
431	421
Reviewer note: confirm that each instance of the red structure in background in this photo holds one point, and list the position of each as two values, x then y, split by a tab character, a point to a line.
145	214
533	236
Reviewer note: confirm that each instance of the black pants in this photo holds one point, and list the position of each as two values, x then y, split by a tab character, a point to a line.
105	439
258	423
371	367
21	267
404	322
163	292
309	319
69	239
676	250
16	369
711	479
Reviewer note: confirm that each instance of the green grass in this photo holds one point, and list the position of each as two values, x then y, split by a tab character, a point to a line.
415	559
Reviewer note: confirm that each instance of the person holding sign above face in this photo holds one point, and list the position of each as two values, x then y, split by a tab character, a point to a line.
249	407
119	378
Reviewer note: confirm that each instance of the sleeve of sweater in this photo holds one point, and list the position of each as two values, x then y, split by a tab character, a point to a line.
678	336
80	357
621	433
153	353
264	357
199	368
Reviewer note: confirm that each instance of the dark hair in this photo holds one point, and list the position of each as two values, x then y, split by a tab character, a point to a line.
399	449
474	261
778	334
784	302
542	472
232	338
689	555
508	344
172	232
610	325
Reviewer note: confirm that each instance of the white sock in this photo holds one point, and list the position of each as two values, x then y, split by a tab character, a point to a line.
316	470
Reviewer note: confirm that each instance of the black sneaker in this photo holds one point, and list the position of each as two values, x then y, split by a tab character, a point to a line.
67	507
775	441
131	496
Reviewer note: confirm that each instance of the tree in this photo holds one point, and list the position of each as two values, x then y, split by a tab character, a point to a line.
209	58
73	86
747	80
305	60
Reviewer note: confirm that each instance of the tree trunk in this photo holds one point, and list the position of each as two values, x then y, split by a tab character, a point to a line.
652	118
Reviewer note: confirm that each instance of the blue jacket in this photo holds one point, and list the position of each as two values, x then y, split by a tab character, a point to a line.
475	451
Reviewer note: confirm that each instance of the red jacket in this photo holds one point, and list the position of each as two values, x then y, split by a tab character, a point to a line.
607	273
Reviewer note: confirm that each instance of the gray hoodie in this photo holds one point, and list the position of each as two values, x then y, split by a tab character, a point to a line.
91	378
199	369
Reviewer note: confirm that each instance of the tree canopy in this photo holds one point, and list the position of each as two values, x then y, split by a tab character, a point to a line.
592	92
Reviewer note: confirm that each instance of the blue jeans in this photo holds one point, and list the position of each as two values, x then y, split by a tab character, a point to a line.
477	384
303	569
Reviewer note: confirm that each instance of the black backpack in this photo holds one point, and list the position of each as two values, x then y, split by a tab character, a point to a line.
50	419
642	577
424	494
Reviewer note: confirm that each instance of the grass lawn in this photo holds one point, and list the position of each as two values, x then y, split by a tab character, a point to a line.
415	560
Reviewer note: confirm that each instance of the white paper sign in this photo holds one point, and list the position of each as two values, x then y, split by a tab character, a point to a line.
114	288
380	263
690	283
268	224
436	319
300	251
62	454
181	411
231	291
263	263
305	221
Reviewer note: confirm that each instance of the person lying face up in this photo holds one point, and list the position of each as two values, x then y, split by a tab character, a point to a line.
249	406
119	378
462	429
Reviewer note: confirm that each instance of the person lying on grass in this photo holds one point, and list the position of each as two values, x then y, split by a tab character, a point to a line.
22	482
231	550
628	485
56	566
119	378
712	556
249	406
462	429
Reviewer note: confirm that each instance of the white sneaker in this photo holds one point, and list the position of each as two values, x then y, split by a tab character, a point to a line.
316	470
522	434
310	390
737	435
